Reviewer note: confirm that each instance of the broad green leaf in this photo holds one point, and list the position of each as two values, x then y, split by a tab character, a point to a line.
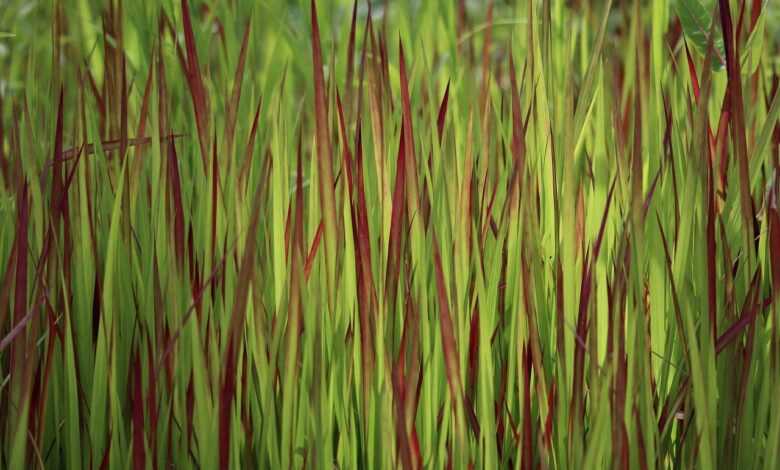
754	47
696	21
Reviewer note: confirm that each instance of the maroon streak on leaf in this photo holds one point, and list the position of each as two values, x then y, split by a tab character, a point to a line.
384	65
41	387
232	107
500	407
194	270
362	266
249	151
527	456
175	203
151	401
399	400
637	170
375	90
583	322
21	365
324	161
602	226
534	342
750	310
141	130
364	236
471	416
616	349
162	90
408	143
22	247
773	215
292	333
104	462
195	81
518	145
367	296
97	295
651	192
736	110
212	256
755	13
4	174
226	393
711	250
576	416
396	230
57	183
471	372
346	153
447	330
407	383
721	149
7	280
123	106
351	58
137	418
552	399
236	331
315	244
442	116
692	70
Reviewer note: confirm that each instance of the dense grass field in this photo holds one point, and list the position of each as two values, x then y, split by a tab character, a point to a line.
540	234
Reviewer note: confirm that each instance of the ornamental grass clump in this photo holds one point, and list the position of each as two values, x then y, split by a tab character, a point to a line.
412	234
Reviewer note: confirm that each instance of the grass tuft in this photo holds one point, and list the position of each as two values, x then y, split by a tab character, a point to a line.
420	234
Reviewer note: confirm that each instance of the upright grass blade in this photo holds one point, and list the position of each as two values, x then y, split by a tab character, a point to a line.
324	161
737	111
237	321
396	228
410	161
450	348
175	203
295	312
20	316
235	96
195	82
773	214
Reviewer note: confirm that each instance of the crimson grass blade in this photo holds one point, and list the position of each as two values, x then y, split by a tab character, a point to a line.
324	161
232	108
